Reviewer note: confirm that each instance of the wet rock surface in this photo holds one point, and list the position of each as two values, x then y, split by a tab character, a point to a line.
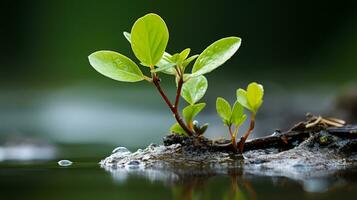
298	154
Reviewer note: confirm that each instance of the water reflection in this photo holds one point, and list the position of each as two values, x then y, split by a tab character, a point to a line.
197	183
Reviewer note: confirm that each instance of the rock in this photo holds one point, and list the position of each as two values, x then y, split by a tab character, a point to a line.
298	154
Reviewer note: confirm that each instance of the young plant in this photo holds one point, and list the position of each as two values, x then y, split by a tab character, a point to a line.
251	99
148	38
231	117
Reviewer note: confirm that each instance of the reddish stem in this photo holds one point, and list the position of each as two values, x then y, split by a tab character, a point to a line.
246	135
173	108
178	93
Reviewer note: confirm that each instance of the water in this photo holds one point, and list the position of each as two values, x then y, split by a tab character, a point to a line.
84	179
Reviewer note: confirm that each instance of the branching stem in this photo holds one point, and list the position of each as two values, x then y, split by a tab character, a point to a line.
173	108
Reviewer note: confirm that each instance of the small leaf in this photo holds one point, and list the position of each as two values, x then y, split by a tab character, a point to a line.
184	54
238	117
149	38
242	98
166	63
127	36
190	112
115	66
215	55
176	128
175	58
194	89
255	93
251	99
189	60
199	130
224	110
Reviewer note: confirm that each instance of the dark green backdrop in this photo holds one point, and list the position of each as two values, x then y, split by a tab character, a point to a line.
48	41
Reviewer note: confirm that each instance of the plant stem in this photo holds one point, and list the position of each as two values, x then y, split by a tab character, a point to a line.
173	108
246	135
233	137
178	93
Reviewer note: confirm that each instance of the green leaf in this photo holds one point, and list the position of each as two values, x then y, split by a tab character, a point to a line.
164	62
255	93
184	54
242	98
176	128
252	98
127	36
194	89
190	112
224	110
189	60
215	55
238	117
175	58
149	38
115	66
167	64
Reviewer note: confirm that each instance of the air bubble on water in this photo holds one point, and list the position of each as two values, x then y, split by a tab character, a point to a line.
120	150
64	163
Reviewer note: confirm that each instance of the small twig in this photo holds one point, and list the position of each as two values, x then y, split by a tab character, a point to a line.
331	123
340	121
314	123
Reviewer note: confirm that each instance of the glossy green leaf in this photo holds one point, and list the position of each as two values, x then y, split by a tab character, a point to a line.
190	112
215	55
252	98
127	36
164	65
189	60
115	66
184	54
224	110
175	58
255	93
242	98
194	89
167	64
149	38
238	117
176	128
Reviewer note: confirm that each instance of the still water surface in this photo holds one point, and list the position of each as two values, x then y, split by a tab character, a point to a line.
84	179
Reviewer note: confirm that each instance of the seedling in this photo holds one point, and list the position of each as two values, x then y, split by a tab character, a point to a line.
231	117
149	37
251	99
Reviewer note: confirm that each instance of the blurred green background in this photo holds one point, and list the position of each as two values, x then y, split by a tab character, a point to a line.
304	52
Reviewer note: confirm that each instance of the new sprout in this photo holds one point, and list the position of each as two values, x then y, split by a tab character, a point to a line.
251	99
233	118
